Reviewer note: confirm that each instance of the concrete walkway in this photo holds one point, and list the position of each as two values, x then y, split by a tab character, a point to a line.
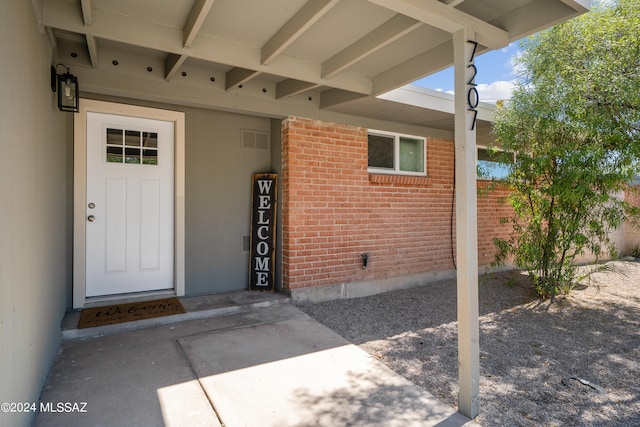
258	361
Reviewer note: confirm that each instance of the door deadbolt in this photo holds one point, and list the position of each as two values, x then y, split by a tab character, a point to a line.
91	218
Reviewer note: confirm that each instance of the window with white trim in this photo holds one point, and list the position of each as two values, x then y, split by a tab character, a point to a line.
397	153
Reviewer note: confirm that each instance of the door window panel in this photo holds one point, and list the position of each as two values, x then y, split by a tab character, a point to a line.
131	147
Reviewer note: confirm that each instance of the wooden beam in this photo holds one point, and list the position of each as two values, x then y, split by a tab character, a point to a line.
196	18
332	97
52	40
453	3
385	34
87	12
440	15
172	64
64	15
92	47
237	76
292	87
580	6
295	27
433	60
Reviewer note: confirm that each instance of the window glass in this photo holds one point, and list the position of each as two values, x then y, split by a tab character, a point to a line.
132	138
132	155
131	147
149	139
395	153
150	157
114	155
114	136
490	167
411	154
381	150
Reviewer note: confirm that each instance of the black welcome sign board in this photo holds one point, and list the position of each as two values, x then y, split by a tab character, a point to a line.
264	196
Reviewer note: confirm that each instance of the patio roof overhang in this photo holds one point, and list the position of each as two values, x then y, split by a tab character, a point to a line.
278	57
314	58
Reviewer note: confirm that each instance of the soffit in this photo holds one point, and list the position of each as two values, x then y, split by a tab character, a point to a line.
327	53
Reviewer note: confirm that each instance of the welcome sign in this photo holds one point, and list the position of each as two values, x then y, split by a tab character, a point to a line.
263	232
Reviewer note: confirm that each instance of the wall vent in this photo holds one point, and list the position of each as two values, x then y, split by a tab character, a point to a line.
255	140
245	243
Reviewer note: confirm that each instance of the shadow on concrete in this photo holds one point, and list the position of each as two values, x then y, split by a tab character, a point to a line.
299	373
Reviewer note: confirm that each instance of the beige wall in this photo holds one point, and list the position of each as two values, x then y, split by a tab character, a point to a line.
218	192
218	198
34	234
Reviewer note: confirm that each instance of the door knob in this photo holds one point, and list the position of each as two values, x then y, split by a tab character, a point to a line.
91	218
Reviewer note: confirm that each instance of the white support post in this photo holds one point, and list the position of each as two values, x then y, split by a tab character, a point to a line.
466	223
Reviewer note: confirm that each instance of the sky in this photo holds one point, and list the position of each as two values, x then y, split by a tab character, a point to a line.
495	75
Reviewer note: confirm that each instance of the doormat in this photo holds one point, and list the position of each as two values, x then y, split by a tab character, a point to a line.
120	313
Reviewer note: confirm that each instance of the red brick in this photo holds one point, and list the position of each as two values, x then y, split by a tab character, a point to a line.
334	210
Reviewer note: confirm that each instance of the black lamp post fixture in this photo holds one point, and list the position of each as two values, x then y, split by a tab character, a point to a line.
67	86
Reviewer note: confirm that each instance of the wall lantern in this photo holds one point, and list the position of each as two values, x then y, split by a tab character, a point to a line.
67	86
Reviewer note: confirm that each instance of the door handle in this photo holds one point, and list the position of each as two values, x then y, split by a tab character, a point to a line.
91	218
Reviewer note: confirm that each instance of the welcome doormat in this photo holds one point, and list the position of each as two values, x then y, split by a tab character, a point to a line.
120	313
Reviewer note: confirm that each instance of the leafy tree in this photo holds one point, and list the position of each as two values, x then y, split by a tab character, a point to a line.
574	124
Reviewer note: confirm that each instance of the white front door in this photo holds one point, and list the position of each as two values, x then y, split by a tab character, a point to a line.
129	205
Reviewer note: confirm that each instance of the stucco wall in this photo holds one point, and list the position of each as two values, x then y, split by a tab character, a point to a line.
218	197
218	168
34	234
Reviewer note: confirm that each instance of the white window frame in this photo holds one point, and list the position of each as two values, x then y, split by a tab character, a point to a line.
396	153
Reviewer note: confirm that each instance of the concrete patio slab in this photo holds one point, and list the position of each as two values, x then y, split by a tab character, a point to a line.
297	372
271	366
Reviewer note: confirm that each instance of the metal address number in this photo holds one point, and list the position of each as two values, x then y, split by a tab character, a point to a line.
472	92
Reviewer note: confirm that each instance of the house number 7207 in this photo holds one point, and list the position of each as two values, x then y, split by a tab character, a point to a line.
472	92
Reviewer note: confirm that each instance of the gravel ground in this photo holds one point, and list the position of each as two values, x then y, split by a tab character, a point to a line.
533	353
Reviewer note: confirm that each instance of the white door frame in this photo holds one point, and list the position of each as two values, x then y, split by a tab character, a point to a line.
80	188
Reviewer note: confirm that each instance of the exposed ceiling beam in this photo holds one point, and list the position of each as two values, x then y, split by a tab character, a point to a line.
237	76
295	27
196	18
291	87
385	34
52	39
37	9
139	86
426	63
453	3
532	17
92	47
581	6
444	17
332	97
64	15
87	12
172	64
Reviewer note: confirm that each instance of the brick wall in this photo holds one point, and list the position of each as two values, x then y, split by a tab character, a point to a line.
631	232
491	207
334	210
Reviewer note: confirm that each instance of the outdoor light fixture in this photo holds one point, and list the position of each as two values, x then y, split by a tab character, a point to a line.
67	86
